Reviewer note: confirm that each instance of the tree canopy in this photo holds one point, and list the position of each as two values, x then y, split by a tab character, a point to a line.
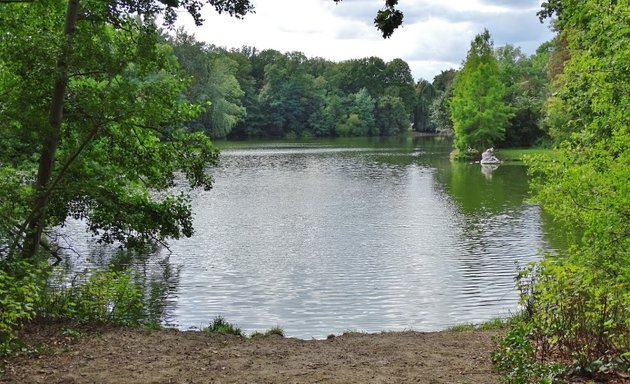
478	110
577	301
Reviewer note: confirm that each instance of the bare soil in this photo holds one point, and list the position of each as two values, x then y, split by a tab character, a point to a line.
122	355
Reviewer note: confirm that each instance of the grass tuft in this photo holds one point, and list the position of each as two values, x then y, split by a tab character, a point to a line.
222	326
277	331
496	323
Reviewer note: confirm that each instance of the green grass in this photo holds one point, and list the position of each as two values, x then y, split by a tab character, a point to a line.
496	323
220	325
517	154
270	332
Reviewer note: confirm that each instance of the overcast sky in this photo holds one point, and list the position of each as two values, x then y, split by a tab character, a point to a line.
435	35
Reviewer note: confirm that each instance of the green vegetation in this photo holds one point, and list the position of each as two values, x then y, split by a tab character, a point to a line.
101	114
274	331
104	296
576	303
20	290
271	94
521	154
478	111
496	323
222	326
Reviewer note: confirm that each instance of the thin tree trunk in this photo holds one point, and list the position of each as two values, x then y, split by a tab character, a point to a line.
50	142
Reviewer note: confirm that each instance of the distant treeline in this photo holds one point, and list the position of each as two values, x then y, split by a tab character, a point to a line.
251	93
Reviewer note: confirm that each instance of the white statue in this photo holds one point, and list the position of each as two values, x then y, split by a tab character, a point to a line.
487	157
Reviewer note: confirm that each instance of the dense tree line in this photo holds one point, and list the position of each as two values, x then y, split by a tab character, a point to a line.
252	93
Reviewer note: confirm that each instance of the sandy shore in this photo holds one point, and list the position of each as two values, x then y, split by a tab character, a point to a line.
123	355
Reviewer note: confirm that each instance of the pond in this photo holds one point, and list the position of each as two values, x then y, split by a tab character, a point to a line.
324	236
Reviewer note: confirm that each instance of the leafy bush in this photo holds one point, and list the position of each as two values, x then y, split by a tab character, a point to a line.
516	358
220	325
103	296
20	290
270	332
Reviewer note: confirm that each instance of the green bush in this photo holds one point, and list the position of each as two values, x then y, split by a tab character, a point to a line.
270	332
516	358
103	297
20	290
220	325
577	313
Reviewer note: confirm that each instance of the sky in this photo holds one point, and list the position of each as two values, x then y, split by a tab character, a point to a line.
435	35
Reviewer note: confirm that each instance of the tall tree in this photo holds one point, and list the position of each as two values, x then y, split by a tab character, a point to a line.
425	94
106	95
399	83
391	116
478	110
440	109
525	80
360	119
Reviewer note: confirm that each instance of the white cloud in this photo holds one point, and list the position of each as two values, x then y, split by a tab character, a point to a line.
435	36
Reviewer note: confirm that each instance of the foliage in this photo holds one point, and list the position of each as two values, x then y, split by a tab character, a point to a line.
478	110
104	296
118	141
525	80
274	331
496	323
425	94
388	18
360	120
213	84
20	289
439	108
516	359
222	326
391	117
577	302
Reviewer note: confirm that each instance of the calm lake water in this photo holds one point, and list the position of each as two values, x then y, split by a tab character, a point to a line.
327	236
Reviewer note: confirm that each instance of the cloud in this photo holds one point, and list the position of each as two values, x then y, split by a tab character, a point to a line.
362	11
522	4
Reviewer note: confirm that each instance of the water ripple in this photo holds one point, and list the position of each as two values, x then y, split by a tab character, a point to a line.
323	240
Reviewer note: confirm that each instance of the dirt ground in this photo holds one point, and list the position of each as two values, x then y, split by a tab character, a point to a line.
120	355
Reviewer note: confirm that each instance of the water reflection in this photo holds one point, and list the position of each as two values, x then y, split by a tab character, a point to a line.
473	191
154	273
323	236
320	238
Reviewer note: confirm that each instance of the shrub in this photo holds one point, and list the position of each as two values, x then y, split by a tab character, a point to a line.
220	325
270	332
20	290
104	296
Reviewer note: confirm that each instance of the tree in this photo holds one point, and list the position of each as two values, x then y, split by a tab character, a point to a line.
440	108
213	84
289	97
110	132
360	120
577	300
425	94
399	83
478	110
391	116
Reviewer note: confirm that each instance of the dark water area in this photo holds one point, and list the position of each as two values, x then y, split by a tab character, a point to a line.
326	236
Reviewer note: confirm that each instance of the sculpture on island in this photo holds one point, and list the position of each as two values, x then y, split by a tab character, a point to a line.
487	157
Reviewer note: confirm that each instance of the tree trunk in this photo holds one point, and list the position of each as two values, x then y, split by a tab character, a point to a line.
50	140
